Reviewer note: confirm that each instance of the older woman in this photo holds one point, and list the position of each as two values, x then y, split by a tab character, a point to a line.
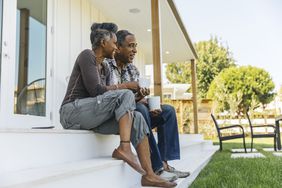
91	103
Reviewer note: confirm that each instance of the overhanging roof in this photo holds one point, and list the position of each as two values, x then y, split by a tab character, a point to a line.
176	43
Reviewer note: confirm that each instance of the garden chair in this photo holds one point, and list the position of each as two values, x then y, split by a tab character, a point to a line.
230	137
261	135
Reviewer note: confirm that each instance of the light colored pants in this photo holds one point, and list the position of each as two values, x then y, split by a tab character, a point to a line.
102	113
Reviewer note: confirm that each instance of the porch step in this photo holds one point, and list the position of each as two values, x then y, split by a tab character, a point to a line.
194	162
41	148
100	172
105	171
24	149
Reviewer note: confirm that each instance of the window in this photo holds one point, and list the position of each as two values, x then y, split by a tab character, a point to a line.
30	82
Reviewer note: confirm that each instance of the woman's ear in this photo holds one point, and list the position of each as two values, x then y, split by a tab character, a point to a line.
103	43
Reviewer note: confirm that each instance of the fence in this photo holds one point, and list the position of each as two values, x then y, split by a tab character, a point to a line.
184	112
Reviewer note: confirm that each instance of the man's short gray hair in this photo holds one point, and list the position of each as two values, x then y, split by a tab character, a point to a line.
121	35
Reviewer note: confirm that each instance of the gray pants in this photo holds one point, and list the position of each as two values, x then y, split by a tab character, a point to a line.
102	113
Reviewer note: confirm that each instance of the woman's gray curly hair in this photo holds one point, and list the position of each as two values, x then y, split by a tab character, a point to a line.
101	31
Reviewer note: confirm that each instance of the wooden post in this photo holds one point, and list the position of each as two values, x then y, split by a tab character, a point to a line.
156	44
23	53
194	94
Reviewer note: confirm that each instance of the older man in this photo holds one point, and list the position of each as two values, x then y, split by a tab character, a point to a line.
122	71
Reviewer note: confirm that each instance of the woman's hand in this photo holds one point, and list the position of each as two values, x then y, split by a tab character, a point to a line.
134	86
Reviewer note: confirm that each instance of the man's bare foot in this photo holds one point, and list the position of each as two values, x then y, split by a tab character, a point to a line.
155	181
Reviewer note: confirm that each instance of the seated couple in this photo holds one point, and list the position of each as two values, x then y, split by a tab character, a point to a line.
101	97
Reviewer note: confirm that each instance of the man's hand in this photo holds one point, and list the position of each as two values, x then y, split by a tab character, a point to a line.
138	97
156	112
142	92
147	91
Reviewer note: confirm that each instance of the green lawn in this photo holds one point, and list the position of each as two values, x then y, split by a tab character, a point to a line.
222	171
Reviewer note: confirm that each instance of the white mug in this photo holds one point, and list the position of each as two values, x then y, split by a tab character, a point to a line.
154	102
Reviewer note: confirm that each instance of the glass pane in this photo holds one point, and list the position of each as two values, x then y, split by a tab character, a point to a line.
30	82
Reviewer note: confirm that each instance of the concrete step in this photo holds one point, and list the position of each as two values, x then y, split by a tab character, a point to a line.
184	138
66	158
194	162
39	148
97	172
101	172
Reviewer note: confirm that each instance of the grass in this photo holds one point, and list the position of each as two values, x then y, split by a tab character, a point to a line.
224	172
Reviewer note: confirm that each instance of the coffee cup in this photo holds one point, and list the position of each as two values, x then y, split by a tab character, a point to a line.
154	102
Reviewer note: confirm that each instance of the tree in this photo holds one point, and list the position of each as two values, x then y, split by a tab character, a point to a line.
280	93
244	86
213	58
179	72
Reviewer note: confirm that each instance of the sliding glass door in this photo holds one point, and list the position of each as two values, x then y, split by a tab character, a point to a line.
28	86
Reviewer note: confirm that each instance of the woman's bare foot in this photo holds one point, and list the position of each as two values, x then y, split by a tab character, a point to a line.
126	150
125	154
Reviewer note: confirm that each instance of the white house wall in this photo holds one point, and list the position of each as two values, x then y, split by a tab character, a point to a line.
72	22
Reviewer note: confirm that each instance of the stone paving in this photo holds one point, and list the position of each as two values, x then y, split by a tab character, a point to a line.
240	153
241	150
270	149
246	155
277	154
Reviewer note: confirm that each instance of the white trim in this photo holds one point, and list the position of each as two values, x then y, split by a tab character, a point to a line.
50	61
7	77
7	117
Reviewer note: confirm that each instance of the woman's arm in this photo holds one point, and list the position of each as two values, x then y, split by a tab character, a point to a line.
90	75
134	86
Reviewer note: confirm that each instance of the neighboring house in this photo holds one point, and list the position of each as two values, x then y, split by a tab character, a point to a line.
40	39
170	90
176	91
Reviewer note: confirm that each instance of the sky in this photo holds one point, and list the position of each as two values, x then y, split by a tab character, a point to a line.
252	29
